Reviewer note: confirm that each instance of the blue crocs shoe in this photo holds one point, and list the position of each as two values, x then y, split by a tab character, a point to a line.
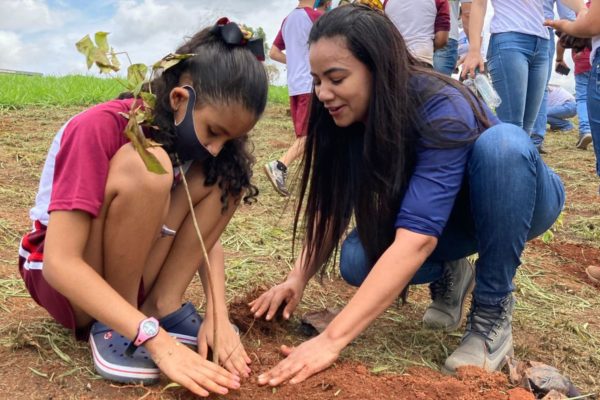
111	362
183	324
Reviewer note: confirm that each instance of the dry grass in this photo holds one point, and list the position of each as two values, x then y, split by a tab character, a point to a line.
556	320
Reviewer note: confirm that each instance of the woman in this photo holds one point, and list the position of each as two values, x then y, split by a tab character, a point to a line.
430	176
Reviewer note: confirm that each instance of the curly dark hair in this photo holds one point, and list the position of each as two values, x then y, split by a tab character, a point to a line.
221	74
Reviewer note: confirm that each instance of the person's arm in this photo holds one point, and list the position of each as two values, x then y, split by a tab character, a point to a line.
465	16
390	274
575	5
473	59
441	27
587	23
560	54
231	351
440	39
277	55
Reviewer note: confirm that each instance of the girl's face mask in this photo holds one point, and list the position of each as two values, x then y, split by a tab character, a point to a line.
188	147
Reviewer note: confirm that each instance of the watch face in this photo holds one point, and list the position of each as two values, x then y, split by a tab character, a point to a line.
150	328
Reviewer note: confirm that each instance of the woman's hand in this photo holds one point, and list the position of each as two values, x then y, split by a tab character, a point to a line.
231	351
473	61
302	362
289	292
189	369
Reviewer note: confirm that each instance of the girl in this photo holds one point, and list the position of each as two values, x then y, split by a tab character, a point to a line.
517	57
429	174
95	259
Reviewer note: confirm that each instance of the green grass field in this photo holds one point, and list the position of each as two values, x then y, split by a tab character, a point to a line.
74	90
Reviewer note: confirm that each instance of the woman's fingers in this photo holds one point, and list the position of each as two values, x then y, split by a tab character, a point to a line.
203	348
286	350
282	372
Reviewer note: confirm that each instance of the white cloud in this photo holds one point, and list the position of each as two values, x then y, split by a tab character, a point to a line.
11	48
28	16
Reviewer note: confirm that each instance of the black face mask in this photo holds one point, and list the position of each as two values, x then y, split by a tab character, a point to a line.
188	147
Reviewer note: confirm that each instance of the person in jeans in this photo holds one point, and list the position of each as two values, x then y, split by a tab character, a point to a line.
429	175
561	106
445	59
583	68
587	24
292	38
539	127
517	57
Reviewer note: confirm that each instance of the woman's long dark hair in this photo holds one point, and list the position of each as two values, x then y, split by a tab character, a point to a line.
364	169
221	74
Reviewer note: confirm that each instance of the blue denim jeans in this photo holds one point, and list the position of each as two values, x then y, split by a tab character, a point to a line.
539	126
509	196
518	65
581	84
593	105
557	116
444	59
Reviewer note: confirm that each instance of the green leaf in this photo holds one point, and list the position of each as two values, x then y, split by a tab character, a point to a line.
114	60
149	99
101	41
136	75
547	236
170	60
101	59
140	144
85	46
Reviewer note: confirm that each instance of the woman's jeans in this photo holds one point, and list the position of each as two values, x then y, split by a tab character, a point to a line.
518	65
558	116
593	106
509	196
581	84
444	59
538	132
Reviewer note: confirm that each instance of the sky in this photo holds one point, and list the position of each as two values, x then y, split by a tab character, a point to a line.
40	35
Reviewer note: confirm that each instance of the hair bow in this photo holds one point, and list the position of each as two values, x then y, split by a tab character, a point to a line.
231	33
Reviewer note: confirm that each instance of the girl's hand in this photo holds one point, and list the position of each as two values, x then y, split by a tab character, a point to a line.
231	351
302	362
289	292
189	369
473	60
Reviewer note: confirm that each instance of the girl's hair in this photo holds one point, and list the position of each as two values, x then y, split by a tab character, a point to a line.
364	169
221	74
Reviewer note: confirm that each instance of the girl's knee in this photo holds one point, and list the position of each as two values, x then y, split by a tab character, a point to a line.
129	173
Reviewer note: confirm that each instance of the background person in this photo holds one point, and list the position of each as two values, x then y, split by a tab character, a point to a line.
293	39
445	58
561	106
424	25
517	57
428	173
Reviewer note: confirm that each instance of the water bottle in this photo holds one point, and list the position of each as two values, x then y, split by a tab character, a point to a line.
471	85
486	91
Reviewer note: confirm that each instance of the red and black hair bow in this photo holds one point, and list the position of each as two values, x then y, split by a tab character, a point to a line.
232	34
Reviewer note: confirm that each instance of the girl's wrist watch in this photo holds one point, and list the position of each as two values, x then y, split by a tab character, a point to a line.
147	329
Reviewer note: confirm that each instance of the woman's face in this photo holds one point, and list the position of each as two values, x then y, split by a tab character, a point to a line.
342	82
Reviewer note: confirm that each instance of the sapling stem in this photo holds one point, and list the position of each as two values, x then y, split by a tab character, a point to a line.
215	352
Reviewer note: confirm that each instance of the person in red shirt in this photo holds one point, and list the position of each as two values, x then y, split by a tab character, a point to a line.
114	246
